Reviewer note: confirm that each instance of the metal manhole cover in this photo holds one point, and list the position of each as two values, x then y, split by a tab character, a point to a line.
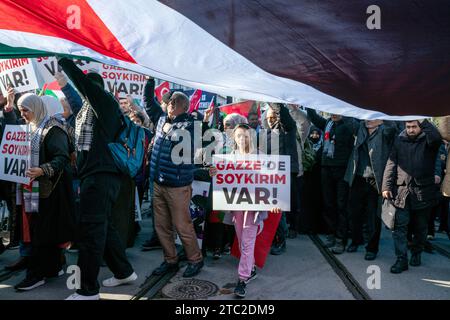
190	289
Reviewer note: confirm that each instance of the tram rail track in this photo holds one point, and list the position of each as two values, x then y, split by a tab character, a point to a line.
343	273
154	283
442	251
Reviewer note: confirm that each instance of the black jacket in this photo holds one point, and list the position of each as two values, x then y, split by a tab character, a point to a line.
286	131
106	127
410	168
379	145
55	223
343	135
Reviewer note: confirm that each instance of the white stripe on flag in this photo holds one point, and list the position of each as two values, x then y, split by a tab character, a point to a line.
169	46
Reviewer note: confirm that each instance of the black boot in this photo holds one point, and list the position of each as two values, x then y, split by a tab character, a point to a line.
193	269
400	265
330	241
339	247
165	268
415	260
353	247
370	256
278	248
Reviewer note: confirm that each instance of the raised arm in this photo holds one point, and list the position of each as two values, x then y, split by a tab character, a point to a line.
152	107
73	98
318	121
434	138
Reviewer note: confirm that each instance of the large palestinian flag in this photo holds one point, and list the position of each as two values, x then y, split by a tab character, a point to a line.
321	54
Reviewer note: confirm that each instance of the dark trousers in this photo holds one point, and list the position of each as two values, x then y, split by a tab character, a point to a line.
364	206
219	235
419	228
443	220
7	193
45	261
282	230
293	217
98	236
153	235
439	211
123	211
335	196
312	218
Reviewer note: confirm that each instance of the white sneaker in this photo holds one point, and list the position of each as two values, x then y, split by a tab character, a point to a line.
114	282
77	296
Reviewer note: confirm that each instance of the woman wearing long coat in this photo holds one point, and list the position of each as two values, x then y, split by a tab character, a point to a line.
47	204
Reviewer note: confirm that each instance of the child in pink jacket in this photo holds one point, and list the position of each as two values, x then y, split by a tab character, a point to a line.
245	222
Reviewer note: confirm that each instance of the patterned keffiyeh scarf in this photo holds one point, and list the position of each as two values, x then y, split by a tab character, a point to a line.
84	127
30	193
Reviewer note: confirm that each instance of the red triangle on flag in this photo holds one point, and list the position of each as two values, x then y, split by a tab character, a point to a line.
52	20
52	86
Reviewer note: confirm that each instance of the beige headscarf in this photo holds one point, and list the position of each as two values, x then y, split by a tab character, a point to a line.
33	103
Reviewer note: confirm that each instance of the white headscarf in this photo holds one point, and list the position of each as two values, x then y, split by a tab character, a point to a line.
35	104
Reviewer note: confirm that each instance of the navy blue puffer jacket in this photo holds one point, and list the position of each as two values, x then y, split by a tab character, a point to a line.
163	170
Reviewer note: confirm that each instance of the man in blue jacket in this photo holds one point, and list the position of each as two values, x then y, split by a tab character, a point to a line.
172	179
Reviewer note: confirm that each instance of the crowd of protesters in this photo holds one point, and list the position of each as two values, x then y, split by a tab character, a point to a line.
343	172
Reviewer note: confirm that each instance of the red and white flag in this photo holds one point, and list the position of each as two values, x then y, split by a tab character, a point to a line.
194	100
161	90
342	66
211	104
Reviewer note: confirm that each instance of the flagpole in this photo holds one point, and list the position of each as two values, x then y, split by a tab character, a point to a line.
216	114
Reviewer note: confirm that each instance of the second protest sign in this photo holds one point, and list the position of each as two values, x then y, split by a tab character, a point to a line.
251	182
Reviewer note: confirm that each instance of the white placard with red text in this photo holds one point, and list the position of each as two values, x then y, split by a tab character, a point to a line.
251	182
18	73
15	154
119	79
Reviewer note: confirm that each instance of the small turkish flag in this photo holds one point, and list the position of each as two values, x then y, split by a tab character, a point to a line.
161	90
195	100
